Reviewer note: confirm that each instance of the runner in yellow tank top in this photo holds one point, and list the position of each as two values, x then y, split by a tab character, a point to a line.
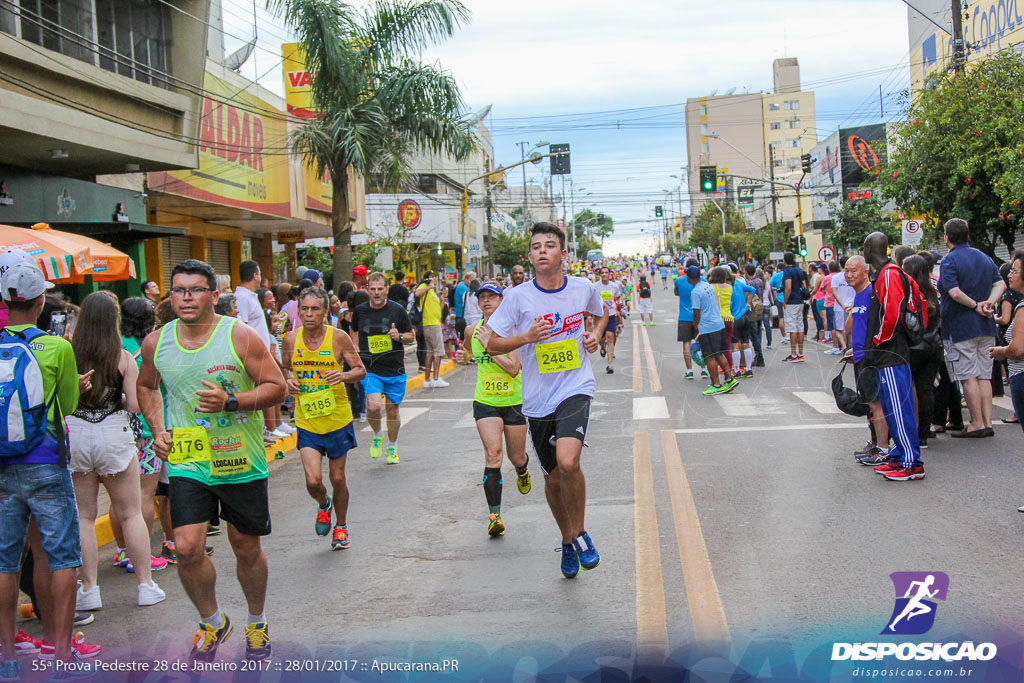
313	356
497	407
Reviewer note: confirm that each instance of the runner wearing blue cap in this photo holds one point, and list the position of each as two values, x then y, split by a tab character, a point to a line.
497	407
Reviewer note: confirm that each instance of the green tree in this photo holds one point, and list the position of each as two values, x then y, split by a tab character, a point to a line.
600	225
960	149
510	249
707	225
376	103
856	220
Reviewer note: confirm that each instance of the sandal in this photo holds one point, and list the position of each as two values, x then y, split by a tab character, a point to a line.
1011	420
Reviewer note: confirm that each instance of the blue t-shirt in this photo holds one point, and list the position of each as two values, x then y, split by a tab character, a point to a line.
859	323
684	289
799	277
664	273
776	282
974	273
738	304
705	300
460	297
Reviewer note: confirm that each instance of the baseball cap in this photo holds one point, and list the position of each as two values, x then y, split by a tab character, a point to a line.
490	287
360	270
693	271
312	275
26	281
11	257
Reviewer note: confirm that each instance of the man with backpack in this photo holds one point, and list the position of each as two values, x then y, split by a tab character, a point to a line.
43	383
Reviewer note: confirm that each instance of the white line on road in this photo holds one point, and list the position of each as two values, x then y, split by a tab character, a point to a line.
772	428
652	366
1003	402
610	391
407	415
820	401
465	422
437	400
651	620
737	405
650	408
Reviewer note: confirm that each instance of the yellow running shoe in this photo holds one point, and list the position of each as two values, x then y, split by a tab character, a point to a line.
375	446
207	639
392	455
523	482
257	640
496	526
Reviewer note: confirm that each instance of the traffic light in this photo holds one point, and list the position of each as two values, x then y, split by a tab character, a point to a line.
560	159
794	244
803	245
805	163
657	211
708	178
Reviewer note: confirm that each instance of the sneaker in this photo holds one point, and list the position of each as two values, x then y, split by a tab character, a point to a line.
712	390
703	373
278	434
24	644
9	671
83	619
905	474
375	446
288	429
46	650
869	449
888	467
257	641
785	340
86	601
392	456
730	385
121	558
209	550
789	358
589	558
609	370
874	460
362	417
340	540
207	639
602	352
495	527
523	482
150	594
440	383
797	359
156	564
169	554
268	438
428	384
570	561
323	520
745	374
688	374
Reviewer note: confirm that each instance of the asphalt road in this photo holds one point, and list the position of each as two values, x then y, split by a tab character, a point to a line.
723	520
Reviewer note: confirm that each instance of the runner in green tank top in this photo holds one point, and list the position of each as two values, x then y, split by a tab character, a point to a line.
497	407
218	376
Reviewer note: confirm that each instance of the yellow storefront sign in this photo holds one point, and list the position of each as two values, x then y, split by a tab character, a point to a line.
298	91
243	154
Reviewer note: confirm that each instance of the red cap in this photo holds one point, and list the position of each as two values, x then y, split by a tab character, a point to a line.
359	270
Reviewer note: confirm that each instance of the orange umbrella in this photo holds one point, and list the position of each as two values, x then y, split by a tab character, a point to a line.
108	264
58	257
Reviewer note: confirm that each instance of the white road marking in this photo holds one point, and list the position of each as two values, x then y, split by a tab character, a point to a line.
771	428
437	400
650	408
611	391
820	401
407	414
465	422
1003	402
737	405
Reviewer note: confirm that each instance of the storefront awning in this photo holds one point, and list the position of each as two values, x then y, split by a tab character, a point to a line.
113	231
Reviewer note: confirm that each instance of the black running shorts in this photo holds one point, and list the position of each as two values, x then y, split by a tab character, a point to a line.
246	506
570	419
741	330
511	416
713	344
686	331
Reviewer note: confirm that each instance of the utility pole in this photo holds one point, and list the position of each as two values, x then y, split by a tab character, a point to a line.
490	236
775	198
959	54
526	203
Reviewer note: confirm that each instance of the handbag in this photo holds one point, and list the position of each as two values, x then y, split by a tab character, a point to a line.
853	402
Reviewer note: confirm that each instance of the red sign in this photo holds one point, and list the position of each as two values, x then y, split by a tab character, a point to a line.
858	194
409	214
862	152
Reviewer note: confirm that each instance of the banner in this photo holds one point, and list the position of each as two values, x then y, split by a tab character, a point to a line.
243	159
298	93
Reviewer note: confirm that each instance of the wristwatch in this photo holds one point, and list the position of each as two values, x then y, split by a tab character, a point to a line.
231	405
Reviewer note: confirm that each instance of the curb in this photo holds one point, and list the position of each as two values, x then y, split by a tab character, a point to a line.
104	534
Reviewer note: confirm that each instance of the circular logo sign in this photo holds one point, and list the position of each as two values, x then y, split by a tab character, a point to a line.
409	214
826	253
912	227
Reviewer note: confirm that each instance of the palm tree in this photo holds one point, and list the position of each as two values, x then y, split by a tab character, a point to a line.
377	103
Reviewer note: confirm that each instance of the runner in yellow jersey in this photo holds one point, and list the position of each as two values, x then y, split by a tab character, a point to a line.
497	407
313	355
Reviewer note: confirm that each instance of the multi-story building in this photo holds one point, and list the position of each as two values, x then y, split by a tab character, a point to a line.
747	136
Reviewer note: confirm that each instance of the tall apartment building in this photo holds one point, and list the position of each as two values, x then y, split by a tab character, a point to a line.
746	135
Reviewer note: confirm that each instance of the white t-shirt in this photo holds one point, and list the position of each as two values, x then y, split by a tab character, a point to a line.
251	313
471	309
843	292
564	307
614	290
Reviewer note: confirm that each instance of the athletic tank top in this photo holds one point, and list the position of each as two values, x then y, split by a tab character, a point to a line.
724	295
493	385
236	451
313	409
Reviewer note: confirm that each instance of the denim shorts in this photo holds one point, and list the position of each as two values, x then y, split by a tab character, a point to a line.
44	492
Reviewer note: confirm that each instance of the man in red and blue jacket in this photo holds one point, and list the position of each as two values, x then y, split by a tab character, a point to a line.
887	349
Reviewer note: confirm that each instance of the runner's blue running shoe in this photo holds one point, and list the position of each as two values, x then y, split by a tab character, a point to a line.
570	561
588	553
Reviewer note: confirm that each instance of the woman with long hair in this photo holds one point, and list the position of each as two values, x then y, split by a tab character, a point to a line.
720	278
925	358
103	448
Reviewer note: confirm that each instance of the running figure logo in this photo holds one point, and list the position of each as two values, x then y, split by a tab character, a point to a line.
914	612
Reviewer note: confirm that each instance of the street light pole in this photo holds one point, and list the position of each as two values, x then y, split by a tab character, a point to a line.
719	211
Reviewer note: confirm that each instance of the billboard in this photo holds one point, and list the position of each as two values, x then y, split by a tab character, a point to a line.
862	152
243	154
416	218
298	94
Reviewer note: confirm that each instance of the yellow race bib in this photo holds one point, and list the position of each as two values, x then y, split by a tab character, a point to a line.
496	385
606	295
379	343
189	444
318	403
558	356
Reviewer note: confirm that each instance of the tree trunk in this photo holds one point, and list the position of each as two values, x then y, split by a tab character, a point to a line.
341	227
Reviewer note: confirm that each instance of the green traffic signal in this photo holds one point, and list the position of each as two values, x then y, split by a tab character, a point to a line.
708	178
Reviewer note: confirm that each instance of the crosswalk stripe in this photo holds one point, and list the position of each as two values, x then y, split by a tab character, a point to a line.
407	415
465	422
650	408
820	401
737	405
1003	402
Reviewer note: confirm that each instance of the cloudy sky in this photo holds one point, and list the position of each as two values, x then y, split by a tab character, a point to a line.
611	78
